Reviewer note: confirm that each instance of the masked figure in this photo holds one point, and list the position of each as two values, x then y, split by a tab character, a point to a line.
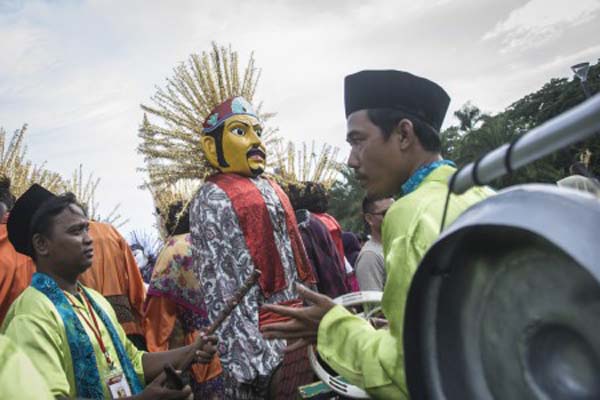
203	130
241	221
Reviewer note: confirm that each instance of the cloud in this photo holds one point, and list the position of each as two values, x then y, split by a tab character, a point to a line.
540	21
76	71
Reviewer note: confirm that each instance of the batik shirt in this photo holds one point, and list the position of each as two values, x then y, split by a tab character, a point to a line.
223	261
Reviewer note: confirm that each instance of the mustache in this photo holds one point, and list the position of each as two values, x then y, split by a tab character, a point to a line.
255	152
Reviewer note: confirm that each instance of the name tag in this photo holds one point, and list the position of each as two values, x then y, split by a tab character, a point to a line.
117	385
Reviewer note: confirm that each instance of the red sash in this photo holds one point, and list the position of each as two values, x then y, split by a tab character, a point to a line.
256	225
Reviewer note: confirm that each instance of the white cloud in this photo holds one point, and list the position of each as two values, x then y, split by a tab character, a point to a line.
540	21
76	71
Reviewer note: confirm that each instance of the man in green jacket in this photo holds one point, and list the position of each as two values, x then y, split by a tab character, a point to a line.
393	123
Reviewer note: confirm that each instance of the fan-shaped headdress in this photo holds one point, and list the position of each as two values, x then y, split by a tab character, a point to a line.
172	146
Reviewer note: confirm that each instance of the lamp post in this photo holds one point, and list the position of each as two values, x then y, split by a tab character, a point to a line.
581	71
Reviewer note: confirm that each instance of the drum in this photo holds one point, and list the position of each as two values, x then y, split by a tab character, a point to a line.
506	303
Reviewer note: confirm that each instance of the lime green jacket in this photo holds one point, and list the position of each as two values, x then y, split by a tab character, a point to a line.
374	359
18	377
35	325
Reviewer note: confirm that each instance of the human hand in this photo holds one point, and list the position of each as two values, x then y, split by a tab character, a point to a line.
206	351
156	390
304	322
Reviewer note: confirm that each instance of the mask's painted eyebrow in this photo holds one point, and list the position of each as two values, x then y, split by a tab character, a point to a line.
241	122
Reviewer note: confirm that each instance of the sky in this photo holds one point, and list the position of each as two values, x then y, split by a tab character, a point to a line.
77	71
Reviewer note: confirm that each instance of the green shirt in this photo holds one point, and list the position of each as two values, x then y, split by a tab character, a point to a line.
374	359
35	325
18	377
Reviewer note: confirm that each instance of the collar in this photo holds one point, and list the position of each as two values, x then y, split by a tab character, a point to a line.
421	173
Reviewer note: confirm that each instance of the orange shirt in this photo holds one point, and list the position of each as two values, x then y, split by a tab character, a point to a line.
16	271
115	274
159	323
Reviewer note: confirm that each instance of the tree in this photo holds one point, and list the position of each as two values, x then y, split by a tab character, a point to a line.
345	202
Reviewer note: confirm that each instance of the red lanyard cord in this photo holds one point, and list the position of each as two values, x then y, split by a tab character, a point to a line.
95	328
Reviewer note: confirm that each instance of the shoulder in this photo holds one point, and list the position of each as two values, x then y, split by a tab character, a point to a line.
100	300
32	302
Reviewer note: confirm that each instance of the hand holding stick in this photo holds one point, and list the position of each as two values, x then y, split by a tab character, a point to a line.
230	305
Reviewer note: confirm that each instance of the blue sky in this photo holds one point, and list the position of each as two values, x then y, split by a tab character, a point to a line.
76	71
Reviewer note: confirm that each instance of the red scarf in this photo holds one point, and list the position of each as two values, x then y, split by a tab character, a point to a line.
253	216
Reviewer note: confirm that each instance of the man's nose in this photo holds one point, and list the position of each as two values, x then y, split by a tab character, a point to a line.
352	161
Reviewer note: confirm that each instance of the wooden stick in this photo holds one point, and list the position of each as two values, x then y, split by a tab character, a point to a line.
230	305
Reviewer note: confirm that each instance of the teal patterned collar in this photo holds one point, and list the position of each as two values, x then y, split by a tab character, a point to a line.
420	174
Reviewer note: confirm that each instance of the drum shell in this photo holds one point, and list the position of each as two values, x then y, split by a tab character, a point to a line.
442	361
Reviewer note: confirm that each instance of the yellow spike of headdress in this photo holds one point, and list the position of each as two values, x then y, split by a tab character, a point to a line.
171	146
306	165
85	192
21	172
164	196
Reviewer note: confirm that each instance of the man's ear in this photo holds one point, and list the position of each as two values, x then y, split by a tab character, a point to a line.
209	146
405	134
40	244
369	219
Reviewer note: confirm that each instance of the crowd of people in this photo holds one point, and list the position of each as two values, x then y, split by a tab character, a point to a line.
77	320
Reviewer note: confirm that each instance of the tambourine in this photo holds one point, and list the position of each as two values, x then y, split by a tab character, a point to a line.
336	383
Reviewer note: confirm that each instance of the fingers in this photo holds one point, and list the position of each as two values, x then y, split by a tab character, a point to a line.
203	357
311	296
209	339
291	312
288	326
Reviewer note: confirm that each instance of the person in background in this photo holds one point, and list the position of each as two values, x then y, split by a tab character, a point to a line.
16	269
70	332
320	247
370	270
351	247
115	274
175	311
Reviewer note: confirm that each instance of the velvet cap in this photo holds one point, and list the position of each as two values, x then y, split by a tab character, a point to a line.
418	97
19	220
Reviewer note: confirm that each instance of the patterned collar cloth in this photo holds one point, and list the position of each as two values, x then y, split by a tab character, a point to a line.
421	173
87	377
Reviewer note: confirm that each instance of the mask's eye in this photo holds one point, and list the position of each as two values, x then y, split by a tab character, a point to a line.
258	132
238	131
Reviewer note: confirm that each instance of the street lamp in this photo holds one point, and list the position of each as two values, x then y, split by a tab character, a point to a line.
581	71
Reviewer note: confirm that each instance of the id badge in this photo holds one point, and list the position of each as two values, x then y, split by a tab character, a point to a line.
117	385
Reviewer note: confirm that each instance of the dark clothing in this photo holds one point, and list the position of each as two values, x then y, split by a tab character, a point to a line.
323	255
351	247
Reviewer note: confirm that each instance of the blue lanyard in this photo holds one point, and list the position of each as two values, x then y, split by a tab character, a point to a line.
420	174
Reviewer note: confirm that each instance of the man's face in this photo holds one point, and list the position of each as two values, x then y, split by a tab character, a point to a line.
378	210
243	149
377	162
69	244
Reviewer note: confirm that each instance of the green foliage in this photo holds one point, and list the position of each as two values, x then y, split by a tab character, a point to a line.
345	202
464	143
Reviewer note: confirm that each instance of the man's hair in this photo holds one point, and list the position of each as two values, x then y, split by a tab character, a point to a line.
43	218
6	196
217	134
311	196
388	118
176	221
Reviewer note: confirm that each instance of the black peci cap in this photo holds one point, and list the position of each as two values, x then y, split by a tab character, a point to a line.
399	90
19	220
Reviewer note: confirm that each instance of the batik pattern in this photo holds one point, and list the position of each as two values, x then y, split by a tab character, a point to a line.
223	262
